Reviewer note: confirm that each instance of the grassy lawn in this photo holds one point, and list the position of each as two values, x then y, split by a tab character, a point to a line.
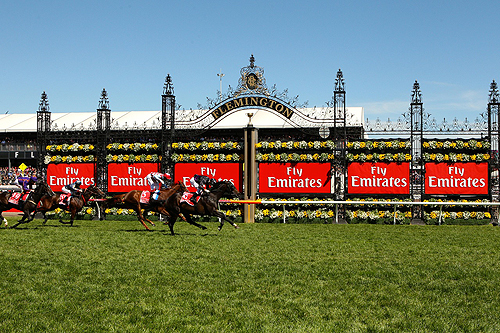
113	276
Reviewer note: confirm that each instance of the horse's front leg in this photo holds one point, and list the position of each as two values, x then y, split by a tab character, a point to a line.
5	223
145	214
171	222
223	218
140	217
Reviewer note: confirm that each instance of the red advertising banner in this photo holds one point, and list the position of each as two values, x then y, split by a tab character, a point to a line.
124	177
456	178
295	178
59	175
378	178
219	171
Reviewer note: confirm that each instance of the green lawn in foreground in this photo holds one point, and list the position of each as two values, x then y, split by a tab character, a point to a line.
115	276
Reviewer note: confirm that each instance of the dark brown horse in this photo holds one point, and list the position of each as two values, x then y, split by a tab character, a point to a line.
29	206
207	205
132	200
76	203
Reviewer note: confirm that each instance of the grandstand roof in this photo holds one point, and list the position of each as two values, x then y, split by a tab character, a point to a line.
262	118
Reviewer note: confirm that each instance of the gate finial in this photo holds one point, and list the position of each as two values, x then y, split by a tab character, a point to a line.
44	103
168	87
104	102
339	81
416	96
494	95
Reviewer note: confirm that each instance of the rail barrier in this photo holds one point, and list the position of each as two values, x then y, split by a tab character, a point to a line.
337	203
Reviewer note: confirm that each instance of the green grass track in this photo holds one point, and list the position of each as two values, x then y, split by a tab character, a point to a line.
114	276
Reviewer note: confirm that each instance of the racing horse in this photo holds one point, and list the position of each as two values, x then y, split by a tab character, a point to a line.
206	205
132	200
29	206
76	203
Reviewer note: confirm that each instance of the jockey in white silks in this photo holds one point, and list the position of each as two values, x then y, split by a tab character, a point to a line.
155	181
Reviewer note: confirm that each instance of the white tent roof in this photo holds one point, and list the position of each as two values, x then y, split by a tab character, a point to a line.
262	118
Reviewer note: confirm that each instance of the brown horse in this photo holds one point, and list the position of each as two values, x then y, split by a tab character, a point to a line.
132	200
207	205
29	206
76	203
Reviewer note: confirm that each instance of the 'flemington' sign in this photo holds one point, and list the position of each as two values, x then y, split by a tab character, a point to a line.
252	101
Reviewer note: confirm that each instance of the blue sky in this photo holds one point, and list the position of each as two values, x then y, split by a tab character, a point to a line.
72	50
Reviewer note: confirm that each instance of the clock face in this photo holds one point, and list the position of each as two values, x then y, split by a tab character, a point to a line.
252	81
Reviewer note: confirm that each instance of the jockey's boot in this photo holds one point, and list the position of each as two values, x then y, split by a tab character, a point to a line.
193	198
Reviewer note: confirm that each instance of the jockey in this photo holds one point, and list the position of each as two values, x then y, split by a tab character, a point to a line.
73	189
24	182
155	181
202	184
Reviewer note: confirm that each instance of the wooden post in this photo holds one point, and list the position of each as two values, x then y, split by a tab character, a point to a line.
249	171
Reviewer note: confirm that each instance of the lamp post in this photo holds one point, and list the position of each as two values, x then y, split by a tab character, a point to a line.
220	75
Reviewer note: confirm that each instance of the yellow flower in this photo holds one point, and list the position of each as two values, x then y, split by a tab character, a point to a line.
362	144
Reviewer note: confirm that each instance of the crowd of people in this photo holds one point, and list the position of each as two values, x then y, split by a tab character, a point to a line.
8	176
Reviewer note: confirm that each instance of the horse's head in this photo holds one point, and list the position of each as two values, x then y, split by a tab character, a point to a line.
42	188
181	187
95	191
227	188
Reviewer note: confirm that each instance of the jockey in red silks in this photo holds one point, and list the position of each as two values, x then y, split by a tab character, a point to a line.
155	181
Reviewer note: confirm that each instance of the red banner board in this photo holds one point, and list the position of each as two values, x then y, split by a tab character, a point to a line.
456	178
125	177
295	178
219	171
378	178
59	175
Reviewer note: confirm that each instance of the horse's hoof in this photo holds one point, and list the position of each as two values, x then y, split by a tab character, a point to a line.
236	227
203	228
